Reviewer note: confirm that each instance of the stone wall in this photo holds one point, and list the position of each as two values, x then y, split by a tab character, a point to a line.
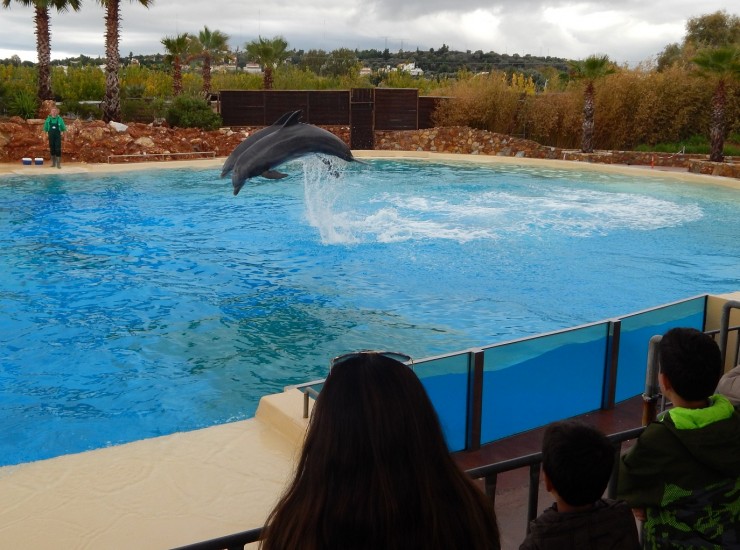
96	141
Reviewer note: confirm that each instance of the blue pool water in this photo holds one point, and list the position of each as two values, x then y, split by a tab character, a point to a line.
146	303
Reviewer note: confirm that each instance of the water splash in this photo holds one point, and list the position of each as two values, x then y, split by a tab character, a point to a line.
364	210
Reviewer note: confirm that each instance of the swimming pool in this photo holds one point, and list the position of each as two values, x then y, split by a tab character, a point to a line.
140	304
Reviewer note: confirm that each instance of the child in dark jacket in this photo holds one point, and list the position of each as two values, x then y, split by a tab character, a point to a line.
682	477
577	462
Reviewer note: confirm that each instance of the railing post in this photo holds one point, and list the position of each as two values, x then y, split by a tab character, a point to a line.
475	401
610	365
534	493
652	390
724	329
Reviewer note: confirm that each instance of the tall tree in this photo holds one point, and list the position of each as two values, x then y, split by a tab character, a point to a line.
112	100
214	46
268	53
723	66
177	48
43	37
713	30
590	69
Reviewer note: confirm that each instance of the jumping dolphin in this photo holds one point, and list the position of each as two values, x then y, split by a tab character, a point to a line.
291	141
254	138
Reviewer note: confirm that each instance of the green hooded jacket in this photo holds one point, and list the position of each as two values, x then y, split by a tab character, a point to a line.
685	471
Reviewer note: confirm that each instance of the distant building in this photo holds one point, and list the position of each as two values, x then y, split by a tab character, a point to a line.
253	68
366	71
411	69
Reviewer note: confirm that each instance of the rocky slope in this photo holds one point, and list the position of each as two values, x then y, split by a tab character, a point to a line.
98	142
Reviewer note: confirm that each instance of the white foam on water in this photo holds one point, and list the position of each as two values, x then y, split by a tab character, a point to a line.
347	211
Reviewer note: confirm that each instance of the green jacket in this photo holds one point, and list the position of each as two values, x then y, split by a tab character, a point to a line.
54	123
685	471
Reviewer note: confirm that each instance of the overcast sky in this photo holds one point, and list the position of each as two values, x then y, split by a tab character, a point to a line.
629	31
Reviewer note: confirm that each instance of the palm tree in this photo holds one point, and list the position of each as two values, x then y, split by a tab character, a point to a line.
112	100
177	48
268	53
590	69
43	37
722	64
213	46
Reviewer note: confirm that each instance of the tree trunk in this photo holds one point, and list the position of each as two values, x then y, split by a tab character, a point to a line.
267	79
43	49
177	76
206	76
112	101
587	145
717	129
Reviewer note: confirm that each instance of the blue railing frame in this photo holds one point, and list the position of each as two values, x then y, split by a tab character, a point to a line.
476	369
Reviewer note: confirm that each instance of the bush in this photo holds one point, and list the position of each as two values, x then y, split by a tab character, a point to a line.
142	109
23	104
86	111
192	112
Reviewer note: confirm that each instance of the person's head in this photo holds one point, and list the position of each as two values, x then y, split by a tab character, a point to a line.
375	471
577	460
54	110
691	362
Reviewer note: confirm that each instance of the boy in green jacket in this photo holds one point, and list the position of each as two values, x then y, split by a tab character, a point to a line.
54	126
682	477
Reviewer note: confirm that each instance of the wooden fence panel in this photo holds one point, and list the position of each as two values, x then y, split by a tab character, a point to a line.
362	123
279	102
329	108
242	107
369	108
396	109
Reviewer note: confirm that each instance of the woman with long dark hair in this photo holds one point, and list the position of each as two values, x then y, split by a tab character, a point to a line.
375	472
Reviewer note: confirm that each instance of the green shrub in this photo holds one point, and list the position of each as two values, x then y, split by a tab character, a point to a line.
85	111
695	145
192	112
23	104
142	109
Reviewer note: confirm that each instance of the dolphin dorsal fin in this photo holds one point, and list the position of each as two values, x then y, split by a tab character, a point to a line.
293	119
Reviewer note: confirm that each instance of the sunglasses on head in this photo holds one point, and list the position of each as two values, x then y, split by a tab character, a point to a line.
400	357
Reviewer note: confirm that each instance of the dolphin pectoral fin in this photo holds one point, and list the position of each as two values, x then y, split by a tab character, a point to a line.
273	175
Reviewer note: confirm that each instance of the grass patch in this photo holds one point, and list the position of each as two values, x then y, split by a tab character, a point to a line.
698	145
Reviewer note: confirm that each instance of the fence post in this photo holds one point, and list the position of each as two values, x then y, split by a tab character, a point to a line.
610	365
475	400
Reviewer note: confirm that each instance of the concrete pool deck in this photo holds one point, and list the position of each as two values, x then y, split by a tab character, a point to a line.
187	487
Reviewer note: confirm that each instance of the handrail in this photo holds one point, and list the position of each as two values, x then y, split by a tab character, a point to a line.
724	329
148	156
488	473
237	541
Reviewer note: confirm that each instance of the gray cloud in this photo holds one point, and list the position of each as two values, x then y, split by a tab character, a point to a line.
628	32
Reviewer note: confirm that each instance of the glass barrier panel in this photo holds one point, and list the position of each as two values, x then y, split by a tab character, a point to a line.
446	381
635	336
530	383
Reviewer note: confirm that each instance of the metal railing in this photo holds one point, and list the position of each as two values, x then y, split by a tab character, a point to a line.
237	541
164	156
488	473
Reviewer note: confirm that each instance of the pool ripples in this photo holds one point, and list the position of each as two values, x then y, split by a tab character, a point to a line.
146	303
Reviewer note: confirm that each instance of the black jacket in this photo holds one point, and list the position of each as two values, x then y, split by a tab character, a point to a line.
609	525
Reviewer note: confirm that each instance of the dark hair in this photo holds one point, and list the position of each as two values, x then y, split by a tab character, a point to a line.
578	459
375	471
691	361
